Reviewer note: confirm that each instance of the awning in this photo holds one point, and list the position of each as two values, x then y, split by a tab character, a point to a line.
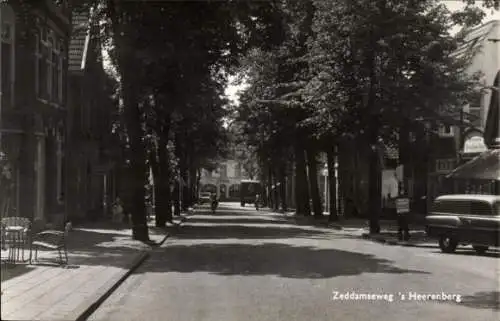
485	167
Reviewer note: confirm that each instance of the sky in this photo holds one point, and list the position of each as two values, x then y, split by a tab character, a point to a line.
453	5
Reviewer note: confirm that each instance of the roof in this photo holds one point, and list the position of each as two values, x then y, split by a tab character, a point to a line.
79	41
475	38
482	197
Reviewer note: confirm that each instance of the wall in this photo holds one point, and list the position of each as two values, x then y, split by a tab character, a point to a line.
225	179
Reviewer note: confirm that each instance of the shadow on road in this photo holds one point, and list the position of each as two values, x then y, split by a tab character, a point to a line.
268	259
219	231
483	300
227	219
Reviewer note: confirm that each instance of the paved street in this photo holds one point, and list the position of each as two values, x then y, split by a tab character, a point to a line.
242	265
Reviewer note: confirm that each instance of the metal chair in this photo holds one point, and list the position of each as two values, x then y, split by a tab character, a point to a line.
53	240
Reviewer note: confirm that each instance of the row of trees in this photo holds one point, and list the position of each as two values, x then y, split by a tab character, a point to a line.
172	61
338	72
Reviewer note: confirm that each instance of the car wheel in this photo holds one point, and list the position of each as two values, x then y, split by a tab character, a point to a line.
480	249
447	244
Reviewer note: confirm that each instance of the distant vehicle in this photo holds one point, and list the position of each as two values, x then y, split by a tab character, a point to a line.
248	190
204	197
465	219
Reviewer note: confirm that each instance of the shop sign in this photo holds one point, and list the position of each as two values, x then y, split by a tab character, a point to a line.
475	145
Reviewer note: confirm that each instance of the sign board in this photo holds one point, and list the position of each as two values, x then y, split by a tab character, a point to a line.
475	145
402	205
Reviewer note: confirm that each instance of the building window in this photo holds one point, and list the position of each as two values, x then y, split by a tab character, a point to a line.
60	71
49	66
223	171
445	130
7	62
60	168
445	165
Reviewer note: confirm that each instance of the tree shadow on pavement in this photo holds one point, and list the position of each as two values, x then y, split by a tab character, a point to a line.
218	231
268	259
482	300
10	271
99	246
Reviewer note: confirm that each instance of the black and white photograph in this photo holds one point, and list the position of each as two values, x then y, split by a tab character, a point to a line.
250	160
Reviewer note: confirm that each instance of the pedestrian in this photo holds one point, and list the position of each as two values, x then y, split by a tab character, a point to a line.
257	201
403	226
117	211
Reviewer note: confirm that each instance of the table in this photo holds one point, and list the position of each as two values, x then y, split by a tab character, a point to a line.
14	235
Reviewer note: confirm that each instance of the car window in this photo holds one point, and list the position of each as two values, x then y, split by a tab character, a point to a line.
466	207
452	207
496	209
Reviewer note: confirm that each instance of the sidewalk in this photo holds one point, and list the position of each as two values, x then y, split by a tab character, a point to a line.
360	227
101	256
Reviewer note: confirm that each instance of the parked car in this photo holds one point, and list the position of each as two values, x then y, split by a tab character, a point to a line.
465	219
204	197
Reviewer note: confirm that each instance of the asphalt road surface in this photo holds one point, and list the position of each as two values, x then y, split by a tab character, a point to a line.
239	264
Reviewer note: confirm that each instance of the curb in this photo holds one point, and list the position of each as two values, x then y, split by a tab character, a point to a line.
107	289
164	239
85	309
389	241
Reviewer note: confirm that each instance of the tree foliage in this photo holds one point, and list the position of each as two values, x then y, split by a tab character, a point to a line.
358	70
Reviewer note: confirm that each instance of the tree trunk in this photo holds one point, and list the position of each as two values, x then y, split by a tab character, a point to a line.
137	170
282	180
177	201
301	185
270	195
159	202
404	159
192	185
164	183
276	194
332	184
375	185
375	176
198	180
313	182
185	190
